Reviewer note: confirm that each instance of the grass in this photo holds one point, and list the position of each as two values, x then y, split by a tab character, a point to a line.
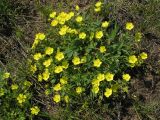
145	14
149	111
21	20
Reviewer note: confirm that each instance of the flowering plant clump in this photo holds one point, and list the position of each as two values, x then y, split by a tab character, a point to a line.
83	55
14	91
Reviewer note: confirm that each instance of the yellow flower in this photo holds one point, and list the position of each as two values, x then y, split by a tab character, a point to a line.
82	35
37	56
108	92
63	80
46	75
105	24
47	92
138	36
40	36
62	18
62	21
69	30
98	4
1	92
77	7
21	98
35	43
79	90
97	63
59	56
68	16
126	77
47	63
83	59
95	89
100	77
99	34
33	68
49	19
58	69
54	23
71	14
40	77
57	87
76	61
109	76
132	65
6	75
57	98
143	55
49	51
72	31
14	86
52	15
27	83
63	30
95	82
66	98
97	9
132	59
35	110
79	19
65	64
75	31
102	49
129	26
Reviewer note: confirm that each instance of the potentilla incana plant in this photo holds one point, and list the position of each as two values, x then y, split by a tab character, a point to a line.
83	53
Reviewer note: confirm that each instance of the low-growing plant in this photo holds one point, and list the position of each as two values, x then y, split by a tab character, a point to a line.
83	56
81	60
8	103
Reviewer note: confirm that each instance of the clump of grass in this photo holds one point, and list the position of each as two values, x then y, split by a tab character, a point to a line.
145	14
147	110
